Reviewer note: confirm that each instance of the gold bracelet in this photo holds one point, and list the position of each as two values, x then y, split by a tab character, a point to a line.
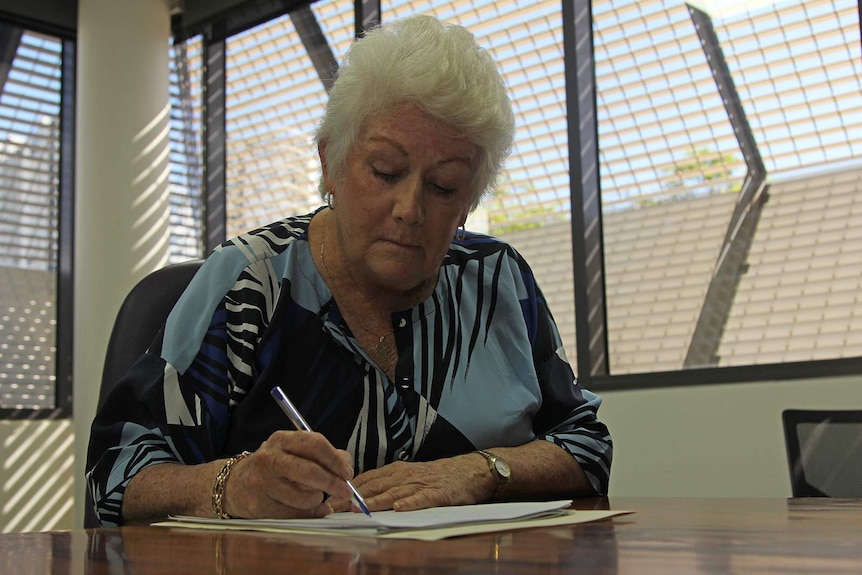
221	483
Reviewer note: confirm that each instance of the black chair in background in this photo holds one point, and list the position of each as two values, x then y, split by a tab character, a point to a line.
824	452
141	316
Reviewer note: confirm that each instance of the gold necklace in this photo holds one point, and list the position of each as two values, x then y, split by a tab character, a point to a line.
381	349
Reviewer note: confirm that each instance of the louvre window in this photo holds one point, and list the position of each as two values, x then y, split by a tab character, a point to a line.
186	149
674	172
29	175
274	99
30	112
672	165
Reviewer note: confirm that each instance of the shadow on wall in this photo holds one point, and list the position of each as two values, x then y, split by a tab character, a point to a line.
36	475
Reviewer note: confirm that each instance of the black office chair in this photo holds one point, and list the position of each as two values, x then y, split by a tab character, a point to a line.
141	315
824	452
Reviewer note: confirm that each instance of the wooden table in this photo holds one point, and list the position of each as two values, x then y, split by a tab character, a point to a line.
663	536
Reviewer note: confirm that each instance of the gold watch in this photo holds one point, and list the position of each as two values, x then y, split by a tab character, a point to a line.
499	467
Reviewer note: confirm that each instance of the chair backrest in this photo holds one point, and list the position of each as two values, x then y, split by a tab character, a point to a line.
141	315
824	452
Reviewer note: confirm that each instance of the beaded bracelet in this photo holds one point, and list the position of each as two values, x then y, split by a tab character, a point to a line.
221	483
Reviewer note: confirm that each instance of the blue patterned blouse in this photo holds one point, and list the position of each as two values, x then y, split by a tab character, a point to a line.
481	364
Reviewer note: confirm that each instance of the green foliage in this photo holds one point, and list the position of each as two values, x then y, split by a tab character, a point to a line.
523	218
704	172
510	214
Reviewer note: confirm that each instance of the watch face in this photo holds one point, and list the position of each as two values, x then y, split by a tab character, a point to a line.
502	468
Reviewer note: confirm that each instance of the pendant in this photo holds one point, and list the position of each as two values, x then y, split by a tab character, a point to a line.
381	349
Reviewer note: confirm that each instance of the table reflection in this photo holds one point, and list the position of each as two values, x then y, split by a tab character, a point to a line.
144	550
166	550
664	535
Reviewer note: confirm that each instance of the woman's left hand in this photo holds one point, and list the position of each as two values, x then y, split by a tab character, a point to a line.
406	486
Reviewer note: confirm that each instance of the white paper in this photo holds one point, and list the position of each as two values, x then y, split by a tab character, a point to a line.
386	521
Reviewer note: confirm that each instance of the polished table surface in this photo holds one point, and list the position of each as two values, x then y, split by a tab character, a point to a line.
673	535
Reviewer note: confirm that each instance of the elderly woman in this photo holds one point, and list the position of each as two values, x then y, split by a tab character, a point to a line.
424	357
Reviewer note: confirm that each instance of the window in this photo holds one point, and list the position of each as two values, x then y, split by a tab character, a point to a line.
30	111
689	286
186	152
274	99
35	353
700	270
703	111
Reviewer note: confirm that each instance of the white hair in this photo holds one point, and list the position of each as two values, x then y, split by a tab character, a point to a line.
436	66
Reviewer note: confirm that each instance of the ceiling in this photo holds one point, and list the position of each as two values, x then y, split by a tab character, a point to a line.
54	16
190	17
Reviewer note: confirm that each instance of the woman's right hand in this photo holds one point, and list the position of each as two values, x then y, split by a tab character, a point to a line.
288	476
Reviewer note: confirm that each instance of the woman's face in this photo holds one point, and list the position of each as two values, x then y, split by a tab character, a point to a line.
407	186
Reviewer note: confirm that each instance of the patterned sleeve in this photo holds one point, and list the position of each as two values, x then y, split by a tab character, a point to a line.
160	412
568	415
128	434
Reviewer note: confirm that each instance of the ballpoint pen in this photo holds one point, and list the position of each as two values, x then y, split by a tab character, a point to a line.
299	422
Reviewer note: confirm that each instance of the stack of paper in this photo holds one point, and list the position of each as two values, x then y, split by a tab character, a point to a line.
429	524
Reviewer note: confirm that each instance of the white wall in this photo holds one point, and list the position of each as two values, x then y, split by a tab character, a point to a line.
712	441
122	168
36	475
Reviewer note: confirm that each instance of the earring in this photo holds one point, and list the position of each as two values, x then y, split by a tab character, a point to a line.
460	233
329	201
